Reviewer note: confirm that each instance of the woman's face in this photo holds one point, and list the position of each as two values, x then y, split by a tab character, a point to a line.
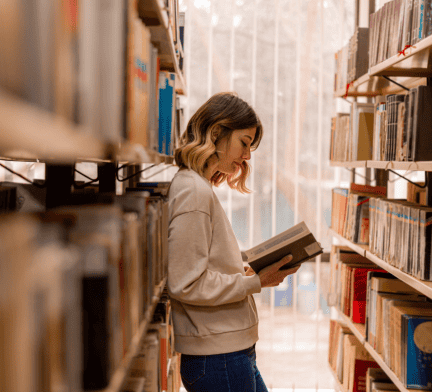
233	152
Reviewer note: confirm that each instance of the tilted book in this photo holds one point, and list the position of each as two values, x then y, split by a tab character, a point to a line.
297	241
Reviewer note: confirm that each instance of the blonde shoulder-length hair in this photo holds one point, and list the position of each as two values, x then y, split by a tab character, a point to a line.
216	120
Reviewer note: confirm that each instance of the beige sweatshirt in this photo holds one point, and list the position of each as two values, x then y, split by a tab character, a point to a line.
213	308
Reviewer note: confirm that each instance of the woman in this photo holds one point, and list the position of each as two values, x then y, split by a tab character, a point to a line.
214	313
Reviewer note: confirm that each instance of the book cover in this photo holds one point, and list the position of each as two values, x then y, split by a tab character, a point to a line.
166	111
417	361
297	241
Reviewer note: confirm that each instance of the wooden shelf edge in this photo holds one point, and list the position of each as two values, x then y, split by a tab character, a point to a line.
423	287
361	338
353	164
26	128
355	247
380	69
395	165
119	377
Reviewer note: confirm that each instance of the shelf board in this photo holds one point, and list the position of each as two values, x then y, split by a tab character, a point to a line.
28	132
364	86
394	165
414	63
360	249
353	164
120	375
423	287
359	330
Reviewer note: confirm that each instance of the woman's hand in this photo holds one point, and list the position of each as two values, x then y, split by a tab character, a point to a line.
249	271
272	276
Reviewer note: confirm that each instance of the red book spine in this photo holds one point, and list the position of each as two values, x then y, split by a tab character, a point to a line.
360	370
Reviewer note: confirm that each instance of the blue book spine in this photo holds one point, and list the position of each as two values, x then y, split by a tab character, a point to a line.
418	352
166	103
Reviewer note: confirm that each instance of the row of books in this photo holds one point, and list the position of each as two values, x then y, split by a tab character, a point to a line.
352	60
352	134
394	129
348	281
393	313
352	365
402	126
397	231
156	366
87	276
400	234
350	211
94	66
397	24
154	113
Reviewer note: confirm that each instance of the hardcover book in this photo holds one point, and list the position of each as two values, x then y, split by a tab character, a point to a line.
297	241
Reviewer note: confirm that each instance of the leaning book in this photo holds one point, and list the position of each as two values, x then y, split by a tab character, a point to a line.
297	241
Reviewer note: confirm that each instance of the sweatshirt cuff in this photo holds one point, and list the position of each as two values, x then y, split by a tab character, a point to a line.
252	284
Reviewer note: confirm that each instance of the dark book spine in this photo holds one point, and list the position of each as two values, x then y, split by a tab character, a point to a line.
95	332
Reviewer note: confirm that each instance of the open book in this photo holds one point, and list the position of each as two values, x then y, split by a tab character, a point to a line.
297	241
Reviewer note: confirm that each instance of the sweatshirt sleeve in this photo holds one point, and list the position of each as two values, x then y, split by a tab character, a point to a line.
189	279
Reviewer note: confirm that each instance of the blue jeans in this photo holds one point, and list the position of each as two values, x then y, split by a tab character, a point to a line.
232	372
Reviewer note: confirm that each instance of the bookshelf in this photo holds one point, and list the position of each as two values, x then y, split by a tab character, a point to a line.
32	133
394	165
394	75
372	86
359	330
415	62
120	375
353	164
421	286
361	336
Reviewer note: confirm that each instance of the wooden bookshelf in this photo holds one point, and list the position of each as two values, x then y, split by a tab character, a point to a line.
353	328
353	164
394	165
372	86
359	330
415	63
360	249
122	372
423	287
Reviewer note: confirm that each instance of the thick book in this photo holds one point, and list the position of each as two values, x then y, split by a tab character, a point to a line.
416	360
297	241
